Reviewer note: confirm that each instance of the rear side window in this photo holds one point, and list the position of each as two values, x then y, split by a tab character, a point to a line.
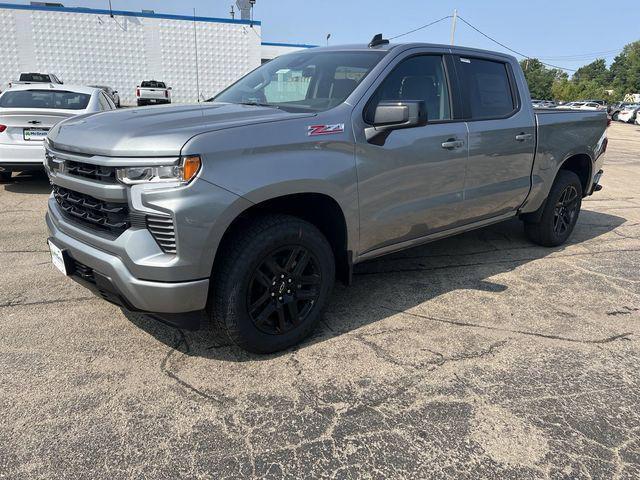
153	84
488	88
44	99
416	78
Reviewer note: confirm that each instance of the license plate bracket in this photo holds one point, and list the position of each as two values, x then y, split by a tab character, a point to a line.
34	134
59	258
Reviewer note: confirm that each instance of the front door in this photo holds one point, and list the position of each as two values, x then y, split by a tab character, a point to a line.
411	184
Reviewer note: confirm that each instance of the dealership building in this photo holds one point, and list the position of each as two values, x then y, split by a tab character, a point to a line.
196	56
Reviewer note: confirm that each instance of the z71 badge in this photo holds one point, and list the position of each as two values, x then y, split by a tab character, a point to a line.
314	130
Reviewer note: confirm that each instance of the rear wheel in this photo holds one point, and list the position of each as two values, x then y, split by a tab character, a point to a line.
5	177
560	212
273	281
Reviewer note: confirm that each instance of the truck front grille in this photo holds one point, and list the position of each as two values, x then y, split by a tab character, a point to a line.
90	171
94	213
163	232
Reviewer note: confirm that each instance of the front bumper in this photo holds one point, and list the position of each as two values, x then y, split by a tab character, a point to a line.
16	158
115	283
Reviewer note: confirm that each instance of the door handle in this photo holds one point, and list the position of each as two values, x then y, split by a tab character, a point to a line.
452	143
524	136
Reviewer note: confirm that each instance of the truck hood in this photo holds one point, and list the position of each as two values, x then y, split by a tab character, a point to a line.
156	131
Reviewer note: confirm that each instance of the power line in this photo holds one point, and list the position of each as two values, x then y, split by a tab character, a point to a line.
511	49
421	28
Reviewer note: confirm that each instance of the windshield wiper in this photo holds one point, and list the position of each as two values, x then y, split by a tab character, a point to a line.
258	104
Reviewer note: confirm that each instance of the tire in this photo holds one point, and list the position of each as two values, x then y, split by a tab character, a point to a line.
274	267
614	116
560	212
5	177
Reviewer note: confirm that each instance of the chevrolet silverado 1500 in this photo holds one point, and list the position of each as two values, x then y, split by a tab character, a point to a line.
243	210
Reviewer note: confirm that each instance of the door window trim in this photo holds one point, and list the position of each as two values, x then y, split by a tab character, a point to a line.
453	105
466	106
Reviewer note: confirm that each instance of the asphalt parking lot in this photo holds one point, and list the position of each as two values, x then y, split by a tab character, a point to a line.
480	356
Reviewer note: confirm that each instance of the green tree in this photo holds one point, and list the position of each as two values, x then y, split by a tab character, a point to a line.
625	70
540	78
596	71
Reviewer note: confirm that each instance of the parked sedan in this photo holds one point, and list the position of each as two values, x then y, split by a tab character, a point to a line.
27	112
629	113
115	96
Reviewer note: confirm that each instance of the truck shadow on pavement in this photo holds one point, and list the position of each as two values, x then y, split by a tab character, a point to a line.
401	281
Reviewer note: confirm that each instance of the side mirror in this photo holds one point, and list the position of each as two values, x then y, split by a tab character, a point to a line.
395	115
169	88
115	91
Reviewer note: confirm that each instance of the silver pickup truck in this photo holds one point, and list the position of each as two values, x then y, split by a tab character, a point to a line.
243	210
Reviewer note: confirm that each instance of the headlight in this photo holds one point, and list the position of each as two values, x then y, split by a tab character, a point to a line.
181	173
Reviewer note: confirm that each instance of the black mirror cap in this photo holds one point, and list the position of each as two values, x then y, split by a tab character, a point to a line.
400	114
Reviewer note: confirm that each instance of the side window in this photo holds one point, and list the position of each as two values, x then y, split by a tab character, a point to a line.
488	88
416	78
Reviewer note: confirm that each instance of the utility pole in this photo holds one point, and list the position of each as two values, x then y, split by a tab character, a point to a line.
195	42
454	20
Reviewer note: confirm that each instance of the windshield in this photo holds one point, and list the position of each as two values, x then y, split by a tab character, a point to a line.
44	99
309	81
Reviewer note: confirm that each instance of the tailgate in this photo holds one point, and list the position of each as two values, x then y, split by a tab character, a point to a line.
153	93
28	126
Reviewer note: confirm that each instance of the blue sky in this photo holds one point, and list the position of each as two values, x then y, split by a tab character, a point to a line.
556	31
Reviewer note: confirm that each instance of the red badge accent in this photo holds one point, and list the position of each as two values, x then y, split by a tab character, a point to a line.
325	129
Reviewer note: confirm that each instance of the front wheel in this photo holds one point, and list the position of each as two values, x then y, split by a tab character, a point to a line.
560	212
273	281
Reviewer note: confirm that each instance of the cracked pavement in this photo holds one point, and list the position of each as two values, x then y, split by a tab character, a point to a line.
478	356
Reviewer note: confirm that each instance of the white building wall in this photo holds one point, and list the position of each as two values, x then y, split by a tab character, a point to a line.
92	48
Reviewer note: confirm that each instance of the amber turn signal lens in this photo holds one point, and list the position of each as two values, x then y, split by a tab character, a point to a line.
190	168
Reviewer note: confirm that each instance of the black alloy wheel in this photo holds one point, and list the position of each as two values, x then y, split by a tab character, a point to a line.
565	210
273	279
283	289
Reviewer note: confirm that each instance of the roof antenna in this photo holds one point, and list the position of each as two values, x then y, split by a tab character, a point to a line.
377	40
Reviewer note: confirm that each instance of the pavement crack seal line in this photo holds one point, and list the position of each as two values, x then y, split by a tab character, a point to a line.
12	303
182	339
460	323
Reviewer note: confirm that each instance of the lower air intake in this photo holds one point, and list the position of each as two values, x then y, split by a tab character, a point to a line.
163	232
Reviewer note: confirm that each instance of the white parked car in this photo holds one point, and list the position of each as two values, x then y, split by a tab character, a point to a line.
571	105
591	106
629	113
27	112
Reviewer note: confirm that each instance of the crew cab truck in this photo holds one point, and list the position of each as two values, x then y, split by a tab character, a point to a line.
152	92
243	210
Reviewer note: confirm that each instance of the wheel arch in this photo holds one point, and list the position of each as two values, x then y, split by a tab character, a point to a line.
580	164
319	209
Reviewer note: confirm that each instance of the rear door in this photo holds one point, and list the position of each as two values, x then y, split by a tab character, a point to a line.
501	137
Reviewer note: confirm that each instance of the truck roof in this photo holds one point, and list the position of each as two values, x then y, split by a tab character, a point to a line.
405	46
